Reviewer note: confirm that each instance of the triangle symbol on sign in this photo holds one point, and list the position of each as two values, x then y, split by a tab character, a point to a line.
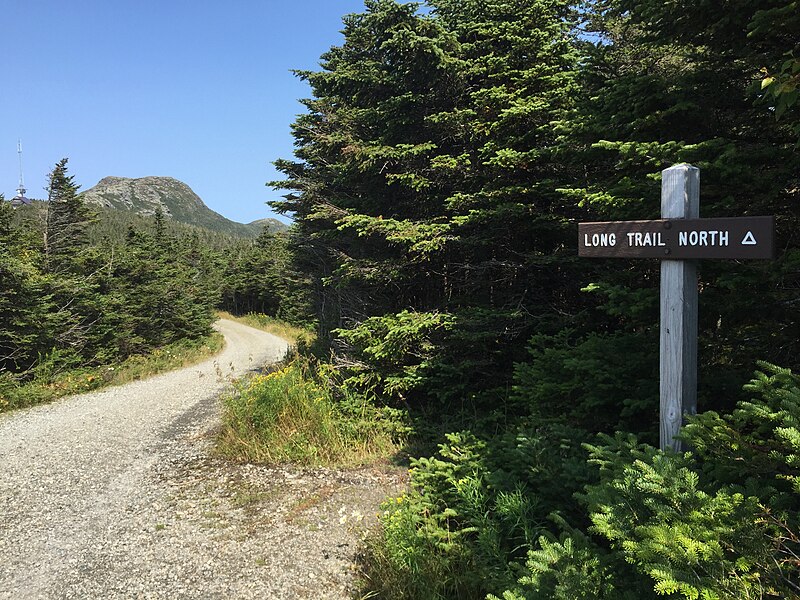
749	239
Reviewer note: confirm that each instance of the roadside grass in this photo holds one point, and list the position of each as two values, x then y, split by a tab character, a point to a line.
293	416
47	383
290	333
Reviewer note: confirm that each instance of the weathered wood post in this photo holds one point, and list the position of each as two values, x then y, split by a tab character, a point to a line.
680	199
678	240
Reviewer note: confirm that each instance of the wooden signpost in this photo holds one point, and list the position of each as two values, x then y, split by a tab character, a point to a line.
679	238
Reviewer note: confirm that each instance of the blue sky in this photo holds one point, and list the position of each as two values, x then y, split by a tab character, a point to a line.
192	89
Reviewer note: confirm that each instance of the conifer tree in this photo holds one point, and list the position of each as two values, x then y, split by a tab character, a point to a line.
23	304
424	185
67	218
364	148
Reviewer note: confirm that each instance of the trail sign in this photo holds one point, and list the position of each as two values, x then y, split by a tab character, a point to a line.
680	239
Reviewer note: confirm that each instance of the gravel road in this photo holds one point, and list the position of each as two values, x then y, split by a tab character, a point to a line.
117	494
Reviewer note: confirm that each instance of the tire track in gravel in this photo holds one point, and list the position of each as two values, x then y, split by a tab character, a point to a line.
114	494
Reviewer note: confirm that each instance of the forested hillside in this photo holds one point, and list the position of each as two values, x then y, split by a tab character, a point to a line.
81	289
442	165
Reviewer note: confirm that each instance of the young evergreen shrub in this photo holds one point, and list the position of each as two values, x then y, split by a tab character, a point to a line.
474	510
718	522
755	451
757	446
656	512
392	353
571	568
439	541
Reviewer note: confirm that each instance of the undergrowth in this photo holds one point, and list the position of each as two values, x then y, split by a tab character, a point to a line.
47	381
291	415
548	512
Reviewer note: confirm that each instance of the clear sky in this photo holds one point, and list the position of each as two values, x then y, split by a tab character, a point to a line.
198	90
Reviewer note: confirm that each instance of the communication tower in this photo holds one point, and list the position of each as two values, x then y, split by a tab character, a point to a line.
20	198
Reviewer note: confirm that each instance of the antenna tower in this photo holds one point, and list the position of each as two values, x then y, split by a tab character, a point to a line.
21	189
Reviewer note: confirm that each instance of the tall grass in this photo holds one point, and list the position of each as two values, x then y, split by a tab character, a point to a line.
290	416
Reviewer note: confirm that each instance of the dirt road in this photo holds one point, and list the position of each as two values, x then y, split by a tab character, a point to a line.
116	494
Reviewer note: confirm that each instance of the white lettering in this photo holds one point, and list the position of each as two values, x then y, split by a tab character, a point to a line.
600	239
712	237
645	239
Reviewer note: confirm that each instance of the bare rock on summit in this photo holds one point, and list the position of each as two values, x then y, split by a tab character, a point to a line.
142	196
145	195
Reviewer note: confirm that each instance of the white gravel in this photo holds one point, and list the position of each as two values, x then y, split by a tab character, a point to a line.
115	494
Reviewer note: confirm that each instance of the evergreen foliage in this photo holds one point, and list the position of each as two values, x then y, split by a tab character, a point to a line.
259	277
66	220
443	162
24	304
631	522
424	180
679	82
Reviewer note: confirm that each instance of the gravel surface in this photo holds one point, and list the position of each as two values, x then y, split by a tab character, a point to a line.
116	494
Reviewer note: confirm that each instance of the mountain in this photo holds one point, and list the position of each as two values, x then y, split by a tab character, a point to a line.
177	201
272	225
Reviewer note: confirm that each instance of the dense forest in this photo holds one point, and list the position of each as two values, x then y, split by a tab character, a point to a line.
447	153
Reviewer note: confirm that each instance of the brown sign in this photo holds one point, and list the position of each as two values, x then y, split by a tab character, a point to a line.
678	239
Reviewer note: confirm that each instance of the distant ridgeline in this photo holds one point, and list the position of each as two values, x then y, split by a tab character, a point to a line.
176	200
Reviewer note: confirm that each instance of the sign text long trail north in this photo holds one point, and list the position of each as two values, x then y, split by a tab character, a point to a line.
679	239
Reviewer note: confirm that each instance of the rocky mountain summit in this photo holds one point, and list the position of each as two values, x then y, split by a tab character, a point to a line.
176	200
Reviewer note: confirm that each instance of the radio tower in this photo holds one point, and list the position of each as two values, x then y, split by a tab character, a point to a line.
20	198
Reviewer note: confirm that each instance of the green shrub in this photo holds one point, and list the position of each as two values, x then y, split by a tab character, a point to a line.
525	512
660	515
474	510
393	352
572	568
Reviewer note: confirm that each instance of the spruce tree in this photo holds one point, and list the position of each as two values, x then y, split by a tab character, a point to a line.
424	185
67	218
24	304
